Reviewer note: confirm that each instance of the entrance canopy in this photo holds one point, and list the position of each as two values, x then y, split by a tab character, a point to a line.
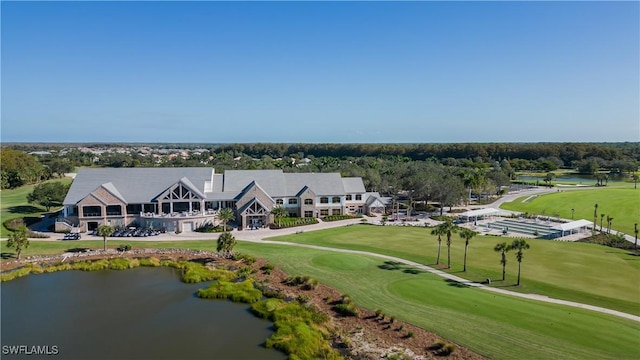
573	225
480	212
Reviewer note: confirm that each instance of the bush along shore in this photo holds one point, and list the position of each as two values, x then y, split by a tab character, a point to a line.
311	321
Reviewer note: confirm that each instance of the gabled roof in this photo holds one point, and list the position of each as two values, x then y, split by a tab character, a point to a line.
305	188
320	183
353	185
374	200
186	182
135	185
249	187
251	202
112	189
271	181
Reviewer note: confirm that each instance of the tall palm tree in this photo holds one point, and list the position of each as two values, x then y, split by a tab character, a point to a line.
519	245
449	228
609	221
225	215
466	234
503	248
439	230
279	212
104	231
601	219
595	218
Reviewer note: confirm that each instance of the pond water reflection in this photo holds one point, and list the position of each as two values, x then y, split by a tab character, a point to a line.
142	313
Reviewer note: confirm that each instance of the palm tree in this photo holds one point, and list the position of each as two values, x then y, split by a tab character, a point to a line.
104	231
503	248
226	242
448	229
595	218
519	245
19	240
601	219
225	215
635	231
279	212
609	221
466	234
439	230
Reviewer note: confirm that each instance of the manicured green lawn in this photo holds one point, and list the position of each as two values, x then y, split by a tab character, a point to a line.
586	273
623	204
13	204
494	325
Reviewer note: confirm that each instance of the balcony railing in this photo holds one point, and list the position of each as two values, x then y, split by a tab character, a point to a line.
182	214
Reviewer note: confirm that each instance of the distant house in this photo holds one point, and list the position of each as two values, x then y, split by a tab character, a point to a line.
185	198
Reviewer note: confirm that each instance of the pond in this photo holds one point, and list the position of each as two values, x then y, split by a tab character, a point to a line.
142	313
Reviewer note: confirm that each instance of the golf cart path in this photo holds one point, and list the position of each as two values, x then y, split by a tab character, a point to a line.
459	279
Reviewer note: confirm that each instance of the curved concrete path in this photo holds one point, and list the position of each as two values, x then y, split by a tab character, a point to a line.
459	279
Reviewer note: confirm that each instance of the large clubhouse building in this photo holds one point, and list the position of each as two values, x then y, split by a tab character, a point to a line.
182	199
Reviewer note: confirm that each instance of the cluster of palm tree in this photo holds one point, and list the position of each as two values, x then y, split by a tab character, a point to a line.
602	217
519	246
447	228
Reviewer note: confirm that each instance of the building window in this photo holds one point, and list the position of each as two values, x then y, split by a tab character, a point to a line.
335	199
279	201
308	214
293	201
293	214
324	200
308	201
114	210
348	197
335	212
324	212
91	211
358	197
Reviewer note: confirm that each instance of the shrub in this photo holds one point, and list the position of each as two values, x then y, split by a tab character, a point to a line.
208	227
410	334
378	312
235	291
124	248
346	309
194	272
339	217
122	264
298	329
8	276
248	259
151	261
303	298
267	268
292	222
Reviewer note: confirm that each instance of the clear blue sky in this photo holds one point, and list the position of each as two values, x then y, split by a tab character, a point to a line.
320	72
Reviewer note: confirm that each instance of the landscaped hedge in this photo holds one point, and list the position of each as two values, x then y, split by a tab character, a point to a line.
292	222
340	217
15	223
208	227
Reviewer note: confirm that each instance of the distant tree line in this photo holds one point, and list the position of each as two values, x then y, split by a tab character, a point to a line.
419	169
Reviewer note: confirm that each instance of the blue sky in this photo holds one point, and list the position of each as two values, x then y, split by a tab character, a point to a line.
359	72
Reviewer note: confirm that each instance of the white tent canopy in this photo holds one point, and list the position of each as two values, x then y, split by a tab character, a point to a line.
573	225
480	212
